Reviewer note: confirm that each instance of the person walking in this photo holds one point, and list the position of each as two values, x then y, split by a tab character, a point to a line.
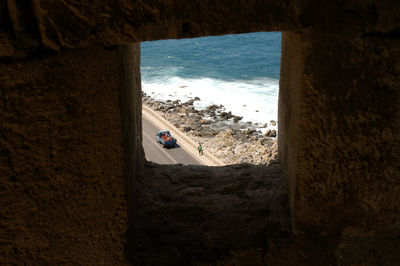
200	148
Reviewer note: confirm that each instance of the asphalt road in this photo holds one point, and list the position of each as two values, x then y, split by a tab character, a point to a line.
156	153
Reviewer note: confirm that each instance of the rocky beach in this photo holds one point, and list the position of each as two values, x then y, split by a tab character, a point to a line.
222	133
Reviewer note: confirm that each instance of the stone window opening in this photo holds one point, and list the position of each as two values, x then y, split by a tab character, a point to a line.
184	211
77	187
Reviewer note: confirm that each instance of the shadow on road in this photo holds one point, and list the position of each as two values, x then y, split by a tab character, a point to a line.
176	147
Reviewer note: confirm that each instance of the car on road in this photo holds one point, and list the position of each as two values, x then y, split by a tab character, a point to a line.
164	137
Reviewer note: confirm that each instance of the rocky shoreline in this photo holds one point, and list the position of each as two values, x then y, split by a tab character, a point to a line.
223	134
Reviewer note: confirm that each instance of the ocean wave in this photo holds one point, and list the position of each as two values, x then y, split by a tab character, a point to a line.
255	100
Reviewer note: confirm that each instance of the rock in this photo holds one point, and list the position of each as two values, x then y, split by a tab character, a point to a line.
250	131
272	122
230	142
214	107
270	133
226	115
193	191
233	187
205	122
237	118
182	110
185	128
210	113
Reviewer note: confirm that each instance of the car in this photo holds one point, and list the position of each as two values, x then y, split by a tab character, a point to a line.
164	137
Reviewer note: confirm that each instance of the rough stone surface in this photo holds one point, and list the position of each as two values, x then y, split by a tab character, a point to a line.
62	187
290	96
62	163
29	26
351	126
187	215
340	138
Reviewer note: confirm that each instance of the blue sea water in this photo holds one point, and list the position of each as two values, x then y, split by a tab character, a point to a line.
238	71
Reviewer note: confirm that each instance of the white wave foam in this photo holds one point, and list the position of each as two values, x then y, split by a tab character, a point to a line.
254	100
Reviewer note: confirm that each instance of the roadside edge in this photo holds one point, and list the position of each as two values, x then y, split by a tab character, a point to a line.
188	144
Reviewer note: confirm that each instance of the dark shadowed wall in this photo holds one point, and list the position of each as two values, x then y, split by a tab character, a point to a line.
70	119
62	184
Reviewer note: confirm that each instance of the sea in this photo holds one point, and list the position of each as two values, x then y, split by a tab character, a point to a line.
240	72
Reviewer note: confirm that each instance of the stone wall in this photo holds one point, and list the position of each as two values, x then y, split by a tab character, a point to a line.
71	124
63	194
340	139
290	90
29	26
348	153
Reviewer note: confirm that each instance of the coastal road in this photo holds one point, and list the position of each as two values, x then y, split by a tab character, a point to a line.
156	153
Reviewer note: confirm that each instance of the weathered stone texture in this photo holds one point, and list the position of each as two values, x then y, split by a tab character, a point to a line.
70	121
131	110
349	134
62	187
29	26
290	95
190	214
